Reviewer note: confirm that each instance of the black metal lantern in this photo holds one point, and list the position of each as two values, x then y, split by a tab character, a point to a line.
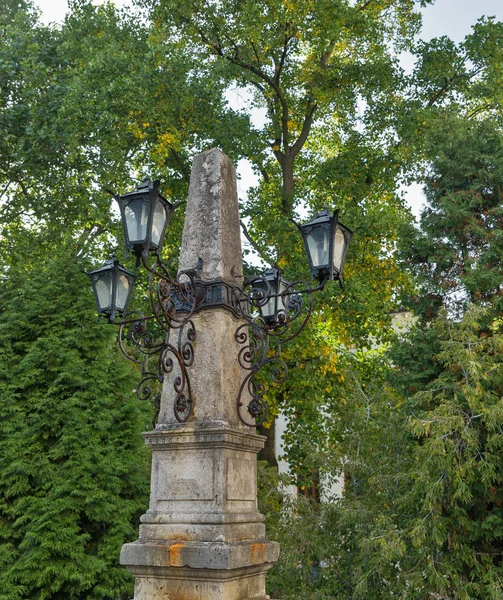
326	241
268	290
112	286
145	215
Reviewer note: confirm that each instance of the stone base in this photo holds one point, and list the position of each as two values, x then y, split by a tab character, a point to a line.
151	588
199	570
202	537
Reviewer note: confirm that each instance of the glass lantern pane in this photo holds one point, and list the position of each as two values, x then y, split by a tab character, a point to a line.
282	300
158	223
317	242
269	309
136	212
123	287
103	286
339	248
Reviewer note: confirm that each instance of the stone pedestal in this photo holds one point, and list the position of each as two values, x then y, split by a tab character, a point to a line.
202	537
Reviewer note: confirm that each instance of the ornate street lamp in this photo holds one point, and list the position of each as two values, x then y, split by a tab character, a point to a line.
267	296
272	310
145	215
112	285
326	241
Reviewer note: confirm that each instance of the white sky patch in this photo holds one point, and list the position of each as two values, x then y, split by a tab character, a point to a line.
240	98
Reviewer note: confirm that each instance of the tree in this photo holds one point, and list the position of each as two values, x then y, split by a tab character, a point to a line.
459	469
420	515
457	251
451	358
306	63
74	476
75	473
354	546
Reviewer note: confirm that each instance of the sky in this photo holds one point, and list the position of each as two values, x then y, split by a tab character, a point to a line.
446	17
453	18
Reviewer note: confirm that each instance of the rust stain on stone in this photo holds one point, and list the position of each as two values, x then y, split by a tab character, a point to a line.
258	552
175	557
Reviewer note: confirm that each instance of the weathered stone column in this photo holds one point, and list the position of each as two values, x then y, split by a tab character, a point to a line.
202	537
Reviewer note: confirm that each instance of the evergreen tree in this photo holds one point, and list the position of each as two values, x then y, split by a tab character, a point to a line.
458	484
456	253
451	359
74	474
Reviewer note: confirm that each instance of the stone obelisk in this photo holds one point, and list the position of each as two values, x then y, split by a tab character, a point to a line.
202	537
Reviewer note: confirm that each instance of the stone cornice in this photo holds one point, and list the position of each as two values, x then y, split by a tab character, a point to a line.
210	556
183	439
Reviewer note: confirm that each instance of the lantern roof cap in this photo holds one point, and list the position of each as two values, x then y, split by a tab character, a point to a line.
107	264
272	271
322	217
144	187
113	261
273	274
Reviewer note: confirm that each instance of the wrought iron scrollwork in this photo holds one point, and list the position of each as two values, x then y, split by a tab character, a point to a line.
167	348
262	338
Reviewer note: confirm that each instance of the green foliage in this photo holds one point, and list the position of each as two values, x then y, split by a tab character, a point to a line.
74	474
354	546
420	515
310	66
459	475
457	252
451	360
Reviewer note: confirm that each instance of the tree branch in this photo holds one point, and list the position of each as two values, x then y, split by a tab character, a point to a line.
365	5
182	164
480	109
281	64
238	61
254	245
306	127
449	81
5	189
325	57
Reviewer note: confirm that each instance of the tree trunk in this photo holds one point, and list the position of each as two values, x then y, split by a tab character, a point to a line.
288	183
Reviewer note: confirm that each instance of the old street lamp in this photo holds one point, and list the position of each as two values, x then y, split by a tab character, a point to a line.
112	285
271	310
267	295
326	241
145	215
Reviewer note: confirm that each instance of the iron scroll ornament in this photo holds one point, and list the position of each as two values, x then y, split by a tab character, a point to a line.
169	342
170	346
262	339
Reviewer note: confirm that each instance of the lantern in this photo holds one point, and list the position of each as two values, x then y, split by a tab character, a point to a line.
273	285
145	215
112	285
326	241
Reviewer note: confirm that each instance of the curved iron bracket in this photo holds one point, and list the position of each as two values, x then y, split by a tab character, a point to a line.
262	340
